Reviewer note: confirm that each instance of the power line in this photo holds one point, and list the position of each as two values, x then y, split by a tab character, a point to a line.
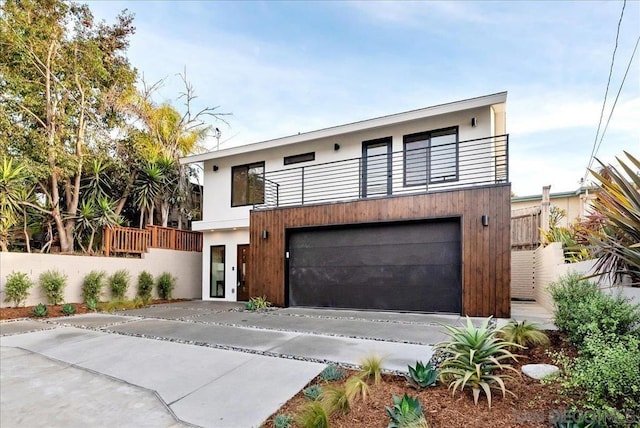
604	102
618	95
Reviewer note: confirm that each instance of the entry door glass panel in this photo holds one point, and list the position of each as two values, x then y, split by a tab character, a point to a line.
242	286
376	168
444	157
216	287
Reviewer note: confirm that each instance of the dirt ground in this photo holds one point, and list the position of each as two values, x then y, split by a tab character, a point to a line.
535	403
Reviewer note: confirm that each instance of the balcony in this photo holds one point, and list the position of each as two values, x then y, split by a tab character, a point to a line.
478	162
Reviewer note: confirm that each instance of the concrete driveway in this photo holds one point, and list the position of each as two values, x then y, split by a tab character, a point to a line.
189	363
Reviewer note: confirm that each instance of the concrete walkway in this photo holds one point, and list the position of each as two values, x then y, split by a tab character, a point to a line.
193	363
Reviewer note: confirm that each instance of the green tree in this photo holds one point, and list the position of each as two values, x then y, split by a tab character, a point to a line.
14	192
60	72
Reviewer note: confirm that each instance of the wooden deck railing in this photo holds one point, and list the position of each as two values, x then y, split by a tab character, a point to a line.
138	241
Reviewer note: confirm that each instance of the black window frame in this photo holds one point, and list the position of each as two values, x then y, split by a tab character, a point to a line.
388	141
427	135
303	157
247	167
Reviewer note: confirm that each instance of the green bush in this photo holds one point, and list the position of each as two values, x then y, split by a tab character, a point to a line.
257	303
335	399
524	333
92	305
68	309
40	310
166	284
53	283
312	415
581	308
17	288
119	282
92	285
145	286
607	373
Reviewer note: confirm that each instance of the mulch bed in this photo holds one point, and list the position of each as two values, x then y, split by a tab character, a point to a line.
56	310
534	405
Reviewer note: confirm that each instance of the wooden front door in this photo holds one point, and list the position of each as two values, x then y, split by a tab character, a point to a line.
243	259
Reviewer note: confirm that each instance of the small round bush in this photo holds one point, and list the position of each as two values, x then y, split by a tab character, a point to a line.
119	282
145	286
166	284
92	285
53	283
17	288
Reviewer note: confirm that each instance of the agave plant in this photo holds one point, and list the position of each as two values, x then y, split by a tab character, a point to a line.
478	353
422	375
618	242
406	412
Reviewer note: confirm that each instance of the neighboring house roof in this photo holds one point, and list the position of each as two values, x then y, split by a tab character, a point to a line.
392	119
529	198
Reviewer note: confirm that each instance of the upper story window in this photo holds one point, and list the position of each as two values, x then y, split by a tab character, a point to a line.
305	157
247	184
431	157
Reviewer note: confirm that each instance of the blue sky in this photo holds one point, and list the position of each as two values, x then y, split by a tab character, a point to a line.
287	67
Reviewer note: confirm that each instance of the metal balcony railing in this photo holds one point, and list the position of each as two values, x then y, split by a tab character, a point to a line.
477	162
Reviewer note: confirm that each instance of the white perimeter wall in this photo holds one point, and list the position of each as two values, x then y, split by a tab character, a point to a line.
185	266
546	265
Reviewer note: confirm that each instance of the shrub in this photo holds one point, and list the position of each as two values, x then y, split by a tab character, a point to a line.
166	284
92	285
371	368
312	392
523	333
68	309
312	415
119	305
607	372
422	376
334	399
119	282
257	303
17	288
406	412
477	361
282	421
332	372
356	387
145	286
580	308
53	283
40	310
92	305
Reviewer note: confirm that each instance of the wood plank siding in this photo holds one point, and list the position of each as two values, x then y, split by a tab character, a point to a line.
486	251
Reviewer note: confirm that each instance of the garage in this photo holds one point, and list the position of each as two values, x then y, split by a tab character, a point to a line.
407	266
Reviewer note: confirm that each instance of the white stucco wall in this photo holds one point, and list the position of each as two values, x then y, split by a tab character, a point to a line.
217	210
230	239
185	266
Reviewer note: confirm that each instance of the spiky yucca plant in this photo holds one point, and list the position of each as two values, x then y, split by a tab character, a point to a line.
478	353
618	242
523	333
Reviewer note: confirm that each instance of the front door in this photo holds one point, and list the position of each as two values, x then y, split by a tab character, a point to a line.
243	258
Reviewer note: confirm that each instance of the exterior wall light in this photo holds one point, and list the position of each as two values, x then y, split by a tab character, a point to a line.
336	147
265	234
485	220
215	168
474	122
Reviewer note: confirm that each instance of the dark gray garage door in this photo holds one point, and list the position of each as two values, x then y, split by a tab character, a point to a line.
401	266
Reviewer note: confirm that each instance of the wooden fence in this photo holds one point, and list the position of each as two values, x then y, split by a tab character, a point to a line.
138	241
525	229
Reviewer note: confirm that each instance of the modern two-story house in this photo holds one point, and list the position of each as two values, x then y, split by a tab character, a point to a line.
406	212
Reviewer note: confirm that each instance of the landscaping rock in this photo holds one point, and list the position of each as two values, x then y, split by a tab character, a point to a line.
540	371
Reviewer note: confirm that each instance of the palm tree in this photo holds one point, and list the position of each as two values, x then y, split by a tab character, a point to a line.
13	194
